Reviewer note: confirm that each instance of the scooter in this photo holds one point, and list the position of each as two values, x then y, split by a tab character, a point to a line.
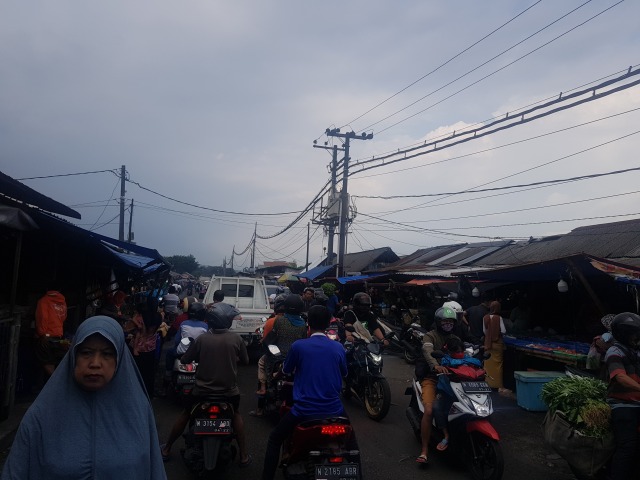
208	449
411	340
472	438
183	376
279	392
365	379
318	449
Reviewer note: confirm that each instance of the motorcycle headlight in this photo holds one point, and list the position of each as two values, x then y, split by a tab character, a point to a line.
483	409
376	359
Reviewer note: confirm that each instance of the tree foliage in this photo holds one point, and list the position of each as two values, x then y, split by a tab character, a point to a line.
183	263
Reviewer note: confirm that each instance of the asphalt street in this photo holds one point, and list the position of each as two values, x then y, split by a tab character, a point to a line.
389	447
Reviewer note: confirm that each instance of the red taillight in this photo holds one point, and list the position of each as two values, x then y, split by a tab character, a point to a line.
214	409
336	459
189	367
333	430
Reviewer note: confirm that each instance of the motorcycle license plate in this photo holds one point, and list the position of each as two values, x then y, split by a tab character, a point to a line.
476	387
212	426
185	379
342	471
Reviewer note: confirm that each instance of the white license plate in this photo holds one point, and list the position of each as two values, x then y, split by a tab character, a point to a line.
338	471
186	379
212	426
476	387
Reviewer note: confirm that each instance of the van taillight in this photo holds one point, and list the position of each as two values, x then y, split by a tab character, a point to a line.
333	430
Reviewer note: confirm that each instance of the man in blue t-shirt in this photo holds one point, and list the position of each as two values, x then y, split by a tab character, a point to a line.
319	365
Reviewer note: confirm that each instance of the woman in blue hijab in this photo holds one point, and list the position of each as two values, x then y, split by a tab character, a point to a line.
92	419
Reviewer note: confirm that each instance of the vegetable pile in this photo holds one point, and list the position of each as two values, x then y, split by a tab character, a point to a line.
581	401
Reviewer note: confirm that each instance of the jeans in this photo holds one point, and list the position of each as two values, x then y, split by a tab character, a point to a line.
625	421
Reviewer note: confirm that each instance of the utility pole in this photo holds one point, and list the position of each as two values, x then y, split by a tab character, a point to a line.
232	254
123	171
224	267
130	237
329	215
306	265
344	195
253	249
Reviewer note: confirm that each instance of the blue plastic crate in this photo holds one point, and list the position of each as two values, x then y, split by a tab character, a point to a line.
529	387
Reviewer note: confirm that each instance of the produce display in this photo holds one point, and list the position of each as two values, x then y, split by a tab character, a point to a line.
581	401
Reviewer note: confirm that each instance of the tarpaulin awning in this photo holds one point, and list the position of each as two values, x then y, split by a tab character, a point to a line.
16	219
360	278
315	272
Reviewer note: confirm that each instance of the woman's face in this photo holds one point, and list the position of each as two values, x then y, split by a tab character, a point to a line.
96	361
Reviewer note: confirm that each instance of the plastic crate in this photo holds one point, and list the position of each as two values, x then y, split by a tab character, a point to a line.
529	387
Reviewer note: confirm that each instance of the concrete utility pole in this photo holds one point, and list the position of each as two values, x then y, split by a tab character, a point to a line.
329	215
344	195
130	237
123	172
306	264
232	254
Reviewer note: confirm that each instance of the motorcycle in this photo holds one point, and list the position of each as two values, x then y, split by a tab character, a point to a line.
411	340
207	444
183	376
319	449
364	378
471	436
279	392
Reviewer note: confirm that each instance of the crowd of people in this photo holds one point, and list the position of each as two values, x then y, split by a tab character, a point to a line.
108	376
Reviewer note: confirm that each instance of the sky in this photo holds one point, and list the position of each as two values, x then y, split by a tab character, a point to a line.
213	108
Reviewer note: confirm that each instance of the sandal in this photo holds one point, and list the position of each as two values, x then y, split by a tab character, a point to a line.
165	457
247	463
422	459
443	445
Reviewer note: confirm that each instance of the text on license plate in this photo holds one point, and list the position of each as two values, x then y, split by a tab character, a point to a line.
186	379
212	426
345	471
476	387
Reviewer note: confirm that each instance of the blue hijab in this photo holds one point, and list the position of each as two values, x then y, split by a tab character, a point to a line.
71	433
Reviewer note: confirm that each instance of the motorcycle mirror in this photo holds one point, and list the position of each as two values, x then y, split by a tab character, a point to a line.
274	350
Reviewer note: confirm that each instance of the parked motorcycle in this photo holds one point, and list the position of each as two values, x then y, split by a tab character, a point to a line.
365	379
411	340
319	449
208	449
471	436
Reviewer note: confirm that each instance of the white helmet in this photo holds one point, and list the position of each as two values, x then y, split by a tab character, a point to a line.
456	307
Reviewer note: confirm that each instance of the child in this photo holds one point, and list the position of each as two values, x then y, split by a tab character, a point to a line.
454	357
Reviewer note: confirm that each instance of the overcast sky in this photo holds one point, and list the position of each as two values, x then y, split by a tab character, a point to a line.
216	104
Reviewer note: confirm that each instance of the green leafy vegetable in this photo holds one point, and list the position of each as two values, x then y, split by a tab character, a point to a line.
582	402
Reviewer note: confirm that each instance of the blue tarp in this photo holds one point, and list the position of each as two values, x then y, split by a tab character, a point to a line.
314	272
359	278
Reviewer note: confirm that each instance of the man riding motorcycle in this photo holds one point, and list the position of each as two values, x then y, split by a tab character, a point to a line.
362	312
427	370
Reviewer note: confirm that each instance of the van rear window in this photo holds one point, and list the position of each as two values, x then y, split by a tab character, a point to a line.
245	291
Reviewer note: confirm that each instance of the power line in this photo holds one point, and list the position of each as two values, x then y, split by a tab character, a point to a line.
443	64
499	69
543	182
115	172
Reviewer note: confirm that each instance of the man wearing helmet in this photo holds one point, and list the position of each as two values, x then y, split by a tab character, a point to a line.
461	328
362	312
427	370
623	366
218	353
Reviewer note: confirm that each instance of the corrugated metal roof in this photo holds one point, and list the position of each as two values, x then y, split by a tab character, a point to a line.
360	261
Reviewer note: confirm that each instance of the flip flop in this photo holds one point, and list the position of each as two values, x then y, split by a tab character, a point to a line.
422	459
247	463
165	458
443	445
255	413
